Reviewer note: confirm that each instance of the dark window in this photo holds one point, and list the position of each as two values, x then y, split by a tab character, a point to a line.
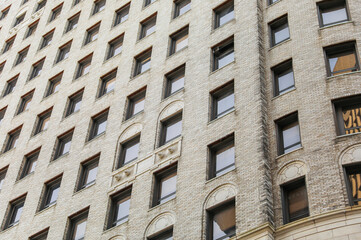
22	55
165	185
165	235
353	183
98	124
36	69
283	78
72	22
74	103
76	2
128	151
12	139
92	34
31	29
181	7
348	114
341	58
99	6
77	225
29	165
84	66
2	176
223	14
279	30
288	131
19	20
10	86
14	213
8	44
222	157
221	222
2	114
47	38
294	201
2	65
332	12
55	12
171	128
63	144
222	101
142	62
147	2
43	121
51	193
88	172
25	102
24	1
223	54
42	235
40	5
4	12
121	14
119	207
64	52
54	84
147	26
107	83
272	1
179	40
115	46
136	103
174	81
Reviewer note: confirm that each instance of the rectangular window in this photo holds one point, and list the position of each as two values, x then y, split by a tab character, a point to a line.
142	62
76	2
84	66
164	235
223	54
121	14
128	151
181	7
341	58
2	114
165	185
2	65
98	124
4	12
119	207
47	38
353	184
22	56
51	193
8	44
72	22
15	209
92	33
135	103
223	14
288	131
12	139
63	144
115	46
147	26
174	81
171	128
279	30
74	103
42	235
332	12
294	201
55	12
19	20
221	222
179	40
148	2
10	85
25	102
98	6
283	78
29	164
2	176
107	83
54	84
348	115
77	225
222	156
31	29
270	2
222	100
43	121
36	69
88	172
63	52
40	5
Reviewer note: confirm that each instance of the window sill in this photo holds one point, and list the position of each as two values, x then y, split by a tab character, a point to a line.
270	5
88	141
225	24
179	16
61	61
114	227
134	116
82	76
27	176
175	53
220	176
90	43
170	141
164	203
330	78
37	134
336	24
104	95
140	74
279	44
344	136
44	209
112	57
151	4
31	79
219	69
145	37
295	150
115	26
84	188
60	157
231	111
8	151
173	94
282	94
10	227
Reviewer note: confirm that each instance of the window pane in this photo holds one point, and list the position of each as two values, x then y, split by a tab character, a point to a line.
131	153
184	7
297	202
91	175
344	63
122	211
54	195
80	230
17	212
168	188
145	65
177	84
282	33
109	85
226	15
355	185
225	160
334	15
181	43
101	128
66	148
226	59
291	137
224	223
225	104
352	120
138	106
173	130
285	81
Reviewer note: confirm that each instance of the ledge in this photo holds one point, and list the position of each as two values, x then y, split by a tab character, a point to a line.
279	44
214	120
285	154
336	24
282	94
219	69
330	78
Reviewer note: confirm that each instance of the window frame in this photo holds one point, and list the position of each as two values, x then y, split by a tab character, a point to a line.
3	173
276	26
221	92
85	168
119	14
12	210
52	84
348	170
96	121
163	235
104	80
74	220
91	32
159	177
124	146
282	69
142	59
164	124
338	105
99	6
36	69
10	85
328	5
49	188
174	37
177	8
171	77
72	22
73	100
31	29
21	56
25	100
47	39
12	138
117	41
19	19
28	163
222	50
82	65
282	123
60	144
63	51
41	119
147	24
114	199
40	5
132	100
5	12
55	12
221	8
42	235
8	44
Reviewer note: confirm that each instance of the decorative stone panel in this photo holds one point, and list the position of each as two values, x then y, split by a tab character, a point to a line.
162	221
351	155
291	171
220	194
171	109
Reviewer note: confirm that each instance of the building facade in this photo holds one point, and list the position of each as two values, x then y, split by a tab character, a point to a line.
187	119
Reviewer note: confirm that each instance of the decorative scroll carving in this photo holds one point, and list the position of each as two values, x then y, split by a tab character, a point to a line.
351	155
130	131
220	194
291	171
168	152
126	173
159	223
171	108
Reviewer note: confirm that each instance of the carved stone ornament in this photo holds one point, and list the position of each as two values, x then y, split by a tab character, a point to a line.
171	108
118	237
130	131
220	194
351	155
291	171
159	223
